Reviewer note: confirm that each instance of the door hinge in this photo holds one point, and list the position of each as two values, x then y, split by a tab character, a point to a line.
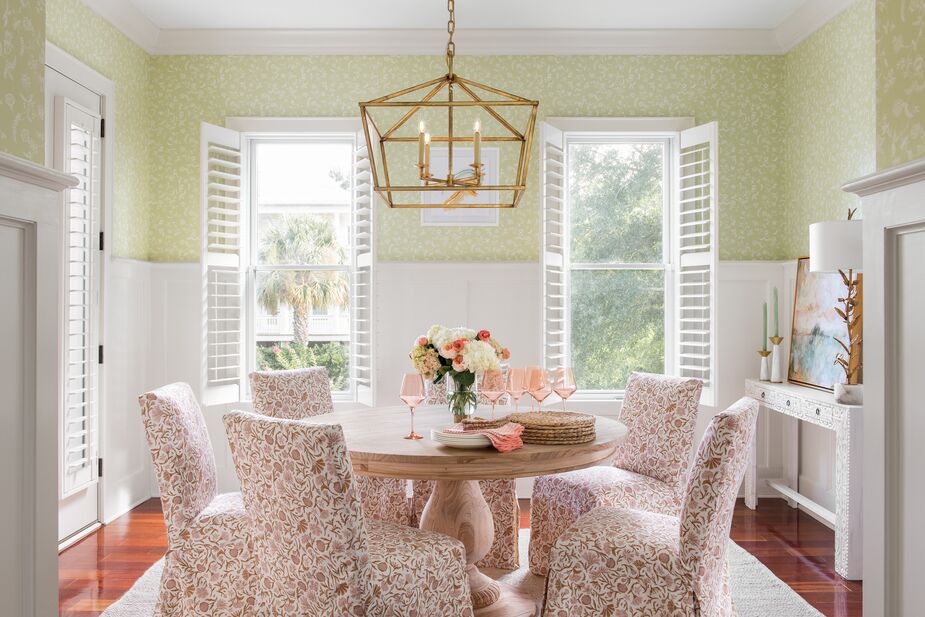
101	241
99	468
102	128
99	359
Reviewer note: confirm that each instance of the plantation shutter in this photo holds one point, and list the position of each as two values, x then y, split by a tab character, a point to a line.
552	178
696	258
361	365
221	164
78	153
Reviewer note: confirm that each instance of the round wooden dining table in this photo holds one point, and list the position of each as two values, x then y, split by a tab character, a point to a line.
375	440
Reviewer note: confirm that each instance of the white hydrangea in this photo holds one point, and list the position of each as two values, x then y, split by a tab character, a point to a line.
435	332
480	356
440	336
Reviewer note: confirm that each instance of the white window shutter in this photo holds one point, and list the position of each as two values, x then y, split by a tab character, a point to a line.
552	179
223	220
77	152
364	257
696	258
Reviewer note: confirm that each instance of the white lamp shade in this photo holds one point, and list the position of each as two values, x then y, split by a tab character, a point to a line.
835	245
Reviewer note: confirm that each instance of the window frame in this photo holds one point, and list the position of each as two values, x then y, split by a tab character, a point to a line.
302	131
625	130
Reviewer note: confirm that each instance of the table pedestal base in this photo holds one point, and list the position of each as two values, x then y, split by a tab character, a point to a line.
457	508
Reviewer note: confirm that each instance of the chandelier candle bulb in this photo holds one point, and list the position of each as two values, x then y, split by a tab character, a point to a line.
426	154
421	132
477	145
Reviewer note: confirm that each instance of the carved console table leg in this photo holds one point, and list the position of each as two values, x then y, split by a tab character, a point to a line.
457	508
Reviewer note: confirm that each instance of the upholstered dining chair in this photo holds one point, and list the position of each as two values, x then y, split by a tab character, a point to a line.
302	393
501	496
210	568
633	562
648	472
318	555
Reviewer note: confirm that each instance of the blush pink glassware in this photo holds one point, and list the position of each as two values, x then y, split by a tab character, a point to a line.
539	386
412	394
491	384
516	385
564	385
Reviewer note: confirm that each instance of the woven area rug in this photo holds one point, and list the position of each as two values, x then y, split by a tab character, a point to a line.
755	589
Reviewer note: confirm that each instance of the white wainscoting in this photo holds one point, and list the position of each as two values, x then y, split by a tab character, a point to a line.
160	306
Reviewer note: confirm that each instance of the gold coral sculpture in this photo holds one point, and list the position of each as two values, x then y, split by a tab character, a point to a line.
852	314
445	105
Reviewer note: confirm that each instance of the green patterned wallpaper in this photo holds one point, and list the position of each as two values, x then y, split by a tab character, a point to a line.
91	39
742	92
22	78
829	123
900	81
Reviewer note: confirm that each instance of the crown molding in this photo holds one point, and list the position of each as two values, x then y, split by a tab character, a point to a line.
554	41
126	18
806	20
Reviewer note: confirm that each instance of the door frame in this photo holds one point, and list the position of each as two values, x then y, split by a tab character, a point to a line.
60	61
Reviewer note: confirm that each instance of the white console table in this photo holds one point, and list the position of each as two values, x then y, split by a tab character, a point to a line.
819	408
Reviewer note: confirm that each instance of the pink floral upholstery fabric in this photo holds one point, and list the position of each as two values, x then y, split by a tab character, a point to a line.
303	393
651	462
295	394
210	568
632	562
501	497
318	556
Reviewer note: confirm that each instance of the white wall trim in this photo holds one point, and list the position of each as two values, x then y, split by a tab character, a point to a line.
806	20
887	179
618	125
478	42
270	126
34	174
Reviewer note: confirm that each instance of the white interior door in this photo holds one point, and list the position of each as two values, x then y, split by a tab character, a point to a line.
75	149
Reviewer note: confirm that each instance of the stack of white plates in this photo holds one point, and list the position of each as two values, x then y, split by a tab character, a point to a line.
456	440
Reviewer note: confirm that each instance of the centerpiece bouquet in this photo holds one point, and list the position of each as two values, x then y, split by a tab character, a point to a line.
454	356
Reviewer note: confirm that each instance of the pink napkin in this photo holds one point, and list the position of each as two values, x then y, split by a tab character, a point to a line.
504	438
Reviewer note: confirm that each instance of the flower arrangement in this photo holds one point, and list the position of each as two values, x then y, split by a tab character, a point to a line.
457	353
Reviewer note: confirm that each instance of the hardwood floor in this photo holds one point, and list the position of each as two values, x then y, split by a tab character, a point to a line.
95	572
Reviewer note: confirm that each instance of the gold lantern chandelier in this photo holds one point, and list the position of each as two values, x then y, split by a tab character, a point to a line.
422	153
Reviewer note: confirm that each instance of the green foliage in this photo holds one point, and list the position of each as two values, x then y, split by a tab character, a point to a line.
283	356
617	317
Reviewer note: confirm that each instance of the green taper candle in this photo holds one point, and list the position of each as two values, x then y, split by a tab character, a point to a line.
776	320
764	334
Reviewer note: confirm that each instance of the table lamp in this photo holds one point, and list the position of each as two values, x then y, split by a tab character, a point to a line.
835	246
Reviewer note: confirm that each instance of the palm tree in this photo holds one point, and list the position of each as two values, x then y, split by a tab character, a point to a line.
301	240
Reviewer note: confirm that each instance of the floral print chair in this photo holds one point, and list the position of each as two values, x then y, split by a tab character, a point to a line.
501	496
649	470
302	393
318	555
210	569
631	562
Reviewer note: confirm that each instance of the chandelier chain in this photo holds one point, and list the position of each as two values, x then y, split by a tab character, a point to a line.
450	29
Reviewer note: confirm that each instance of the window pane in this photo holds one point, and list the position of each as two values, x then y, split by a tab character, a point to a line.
303	173
616	202
302	319
303	239
617	325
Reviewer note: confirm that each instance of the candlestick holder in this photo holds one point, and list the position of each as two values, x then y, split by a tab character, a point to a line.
776	372
763	366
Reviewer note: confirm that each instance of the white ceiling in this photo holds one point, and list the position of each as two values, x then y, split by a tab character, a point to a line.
400	14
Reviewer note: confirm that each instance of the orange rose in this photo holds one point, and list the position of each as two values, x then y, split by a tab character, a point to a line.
505	354
484	335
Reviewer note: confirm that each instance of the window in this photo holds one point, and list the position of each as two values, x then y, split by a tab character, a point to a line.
292	208
620	295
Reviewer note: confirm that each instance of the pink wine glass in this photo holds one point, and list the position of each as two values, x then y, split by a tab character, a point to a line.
412	394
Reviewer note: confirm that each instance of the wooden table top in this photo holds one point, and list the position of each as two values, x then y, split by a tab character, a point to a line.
377	448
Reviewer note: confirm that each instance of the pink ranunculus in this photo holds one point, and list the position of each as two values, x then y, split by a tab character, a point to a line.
484	335
505	354
277	350
458	360
422	340
449	351
459	343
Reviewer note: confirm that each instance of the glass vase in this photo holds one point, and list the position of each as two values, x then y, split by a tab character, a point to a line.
462	395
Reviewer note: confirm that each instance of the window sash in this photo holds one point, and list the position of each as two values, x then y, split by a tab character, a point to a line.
670	143
254	211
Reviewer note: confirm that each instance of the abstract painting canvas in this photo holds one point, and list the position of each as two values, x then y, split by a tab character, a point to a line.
815	325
